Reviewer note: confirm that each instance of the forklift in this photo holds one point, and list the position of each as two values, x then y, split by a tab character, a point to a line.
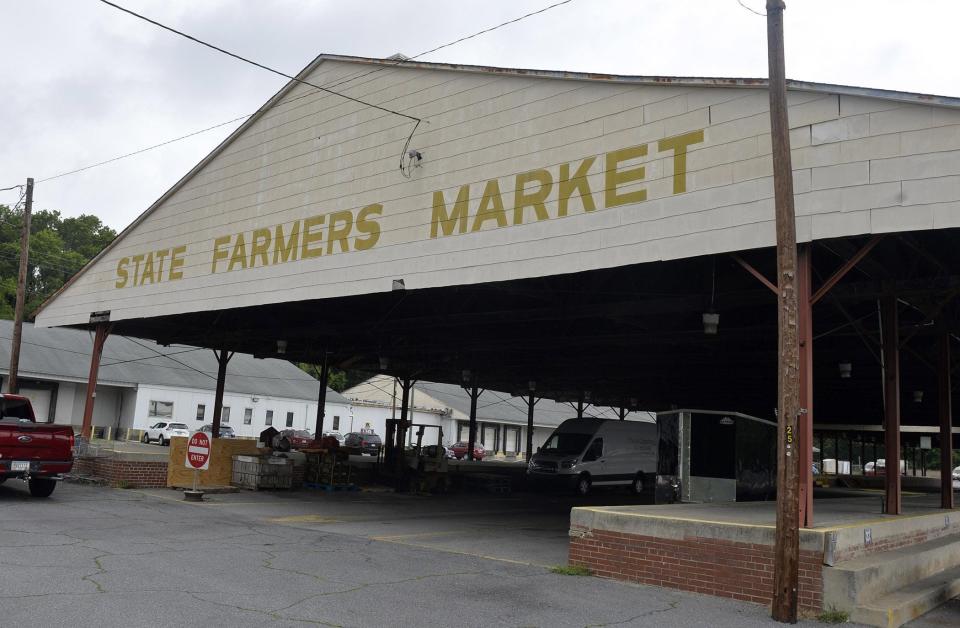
420	469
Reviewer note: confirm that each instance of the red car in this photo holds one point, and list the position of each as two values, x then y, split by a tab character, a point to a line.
298	438
30	451
460	450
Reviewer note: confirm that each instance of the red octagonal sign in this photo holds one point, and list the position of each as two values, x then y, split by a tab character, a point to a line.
198	451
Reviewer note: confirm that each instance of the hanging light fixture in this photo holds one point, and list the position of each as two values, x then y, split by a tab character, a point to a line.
711	323
398	284
711	319
846	369
466	376
384	363
281	346
918	396
532	385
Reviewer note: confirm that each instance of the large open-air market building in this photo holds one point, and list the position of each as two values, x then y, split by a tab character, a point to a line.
592	239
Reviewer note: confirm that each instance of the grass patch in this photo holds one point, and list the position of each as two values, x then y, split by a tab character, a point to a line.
833	616
124	484
570	570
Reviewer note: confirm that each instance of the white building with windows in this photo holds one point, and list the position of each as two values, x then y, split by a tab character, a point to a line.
142	383
501	417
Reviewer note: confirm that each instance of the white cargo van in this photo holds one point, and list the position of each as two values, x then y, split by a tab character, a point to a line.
582	453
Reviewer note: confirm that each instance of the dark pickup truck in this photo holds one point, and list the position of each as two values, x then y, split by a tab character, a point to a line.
31	451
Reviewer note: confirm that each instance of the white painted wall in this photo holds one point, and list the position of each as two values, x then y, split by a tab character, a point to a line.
185	403
861	165
376	415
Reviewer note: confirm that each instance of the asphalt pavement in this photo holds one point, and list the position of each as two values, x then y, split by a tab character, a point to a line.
93	556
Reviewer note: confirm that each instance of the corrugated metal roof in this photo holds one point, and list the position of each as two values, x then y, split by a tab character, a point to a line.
492	406
686	81
64	354
755	83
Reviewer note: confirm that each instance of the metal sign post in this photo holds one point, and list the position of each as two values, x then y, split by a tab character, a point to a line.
197	458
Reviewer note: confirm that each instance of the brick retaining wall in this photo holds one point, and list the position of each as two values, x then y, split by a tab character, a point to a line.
129	473
743	571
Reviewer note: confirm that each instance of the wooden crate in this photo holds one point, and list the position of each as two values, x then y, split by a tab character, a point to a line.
262	472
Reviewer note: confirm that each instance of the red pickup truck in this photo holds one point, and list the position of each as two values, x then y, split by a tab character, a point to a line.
32	451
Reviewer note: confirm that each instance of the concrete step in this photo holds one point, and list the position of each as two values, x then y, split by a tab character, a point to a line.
853	583
895	609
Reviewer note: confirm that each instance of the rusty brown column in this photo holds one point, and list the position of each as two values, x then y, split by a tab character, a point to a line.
891	400
945	391
100	337
222	359
805	420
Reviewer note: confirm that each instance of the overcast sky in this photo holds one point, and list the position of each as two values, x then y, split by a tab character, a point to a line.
83	82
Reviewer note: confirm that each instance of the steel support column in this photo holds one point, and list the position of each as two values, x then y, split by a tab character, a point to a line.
472	441
805	420
100	337
223	357
401	433
891	399
945	409
322	396
531	402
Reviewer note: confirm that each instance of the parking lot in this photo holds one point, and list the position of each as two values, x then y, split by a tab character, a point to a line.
110	557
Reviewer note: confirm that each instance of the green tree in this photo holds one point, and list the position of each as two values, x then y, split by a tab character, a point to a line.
338	379
59	247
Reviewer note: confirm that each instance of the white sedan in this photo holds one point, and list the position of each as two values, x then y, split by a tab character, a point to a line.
163	431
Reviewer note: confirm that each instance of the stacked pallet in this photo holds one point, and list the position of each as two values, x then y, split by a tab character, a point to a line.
259	472
327	469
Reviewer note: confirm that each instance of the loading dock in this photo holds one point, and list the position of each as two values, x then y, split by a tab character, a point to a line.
631	269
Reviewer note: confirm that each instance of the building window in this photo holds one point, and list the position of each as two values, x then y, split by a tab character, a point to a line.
225	414
247	416
289	419
161	409
336	423
201	411
269	419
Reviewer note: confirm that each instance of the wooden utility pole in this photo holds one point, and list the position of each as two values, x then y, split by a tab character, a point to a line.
13	385
787	548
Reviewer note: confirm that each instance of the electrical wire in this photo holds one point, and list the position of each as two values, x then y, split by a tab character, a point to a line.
234	55
326	88
255	63
142	150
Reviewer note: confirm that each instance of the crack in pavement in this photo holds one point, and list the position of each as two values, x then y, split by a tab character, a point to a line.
670	607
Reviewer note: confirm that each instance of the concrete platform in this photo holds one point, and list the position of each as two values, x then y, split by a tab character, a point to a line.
726	549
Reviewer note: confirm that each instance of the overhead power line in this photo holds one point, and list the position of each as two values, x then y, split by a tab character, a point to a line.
326	88
254	63
143	150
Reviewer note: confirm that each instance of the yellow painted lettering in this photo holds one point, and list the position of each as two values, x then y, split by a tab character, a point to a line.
309	237
616	178
491	207
339	234
160	256
176	261
239	255
365	224
122	274
285	250
218	253
678	144
136	267
535	199
443	221
567	185
259	245
147	269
